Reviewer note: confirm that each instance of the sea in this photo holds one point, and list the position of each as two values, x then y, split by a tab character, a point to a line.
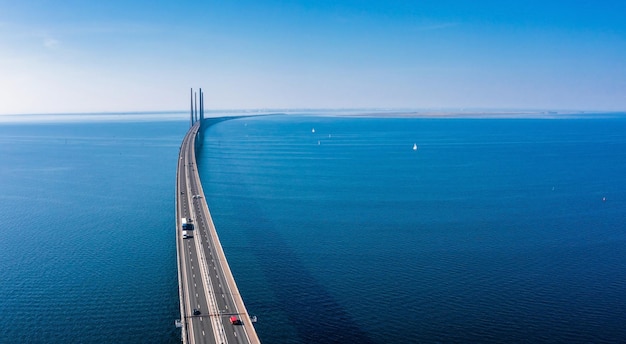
368	228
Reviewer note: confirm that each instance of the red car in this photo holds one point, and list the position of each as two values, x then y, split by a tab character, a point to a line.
235	321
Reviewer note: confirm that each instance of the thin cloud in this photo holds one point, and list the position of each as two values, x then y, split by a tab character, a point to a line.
111	28
435	26
20	36
50	43
44	35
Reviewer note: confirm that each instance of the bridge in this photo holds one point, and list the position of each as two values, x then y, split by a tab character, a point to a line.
211	308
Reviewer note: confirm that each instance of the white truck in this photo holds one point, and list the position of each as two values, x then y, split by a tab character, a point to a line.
187	228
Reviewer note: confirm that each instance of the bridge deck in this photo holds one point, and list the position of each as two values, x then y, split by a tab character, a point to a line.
207	289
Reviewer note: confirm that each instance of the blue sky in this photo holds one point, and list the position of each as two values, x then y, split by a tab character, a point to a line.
92	56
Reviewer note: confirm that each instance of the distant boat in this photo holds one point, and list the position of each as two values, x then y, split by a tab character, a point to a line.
313	130
415	146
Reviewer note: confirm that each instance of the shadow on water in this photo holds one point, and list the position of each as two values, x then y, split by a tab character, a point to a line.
308	305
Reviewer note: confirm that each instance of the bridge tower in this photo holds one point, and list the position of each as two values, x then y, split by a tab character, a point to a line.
195	99
191	106
196	110
201	107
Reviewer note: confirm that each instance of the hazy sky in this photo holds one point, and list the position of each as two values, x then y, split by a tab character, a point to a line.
90	56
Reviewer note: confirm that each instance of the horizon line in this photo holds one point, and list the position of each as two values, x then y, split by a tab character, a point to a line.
469	110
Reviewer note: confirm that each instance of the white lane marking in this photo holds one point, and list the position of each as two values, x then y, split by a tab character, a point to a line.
196	294
203	333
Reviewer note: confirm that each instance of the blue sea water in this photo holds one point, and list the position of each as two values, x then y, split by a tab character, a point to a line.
494	230
87	243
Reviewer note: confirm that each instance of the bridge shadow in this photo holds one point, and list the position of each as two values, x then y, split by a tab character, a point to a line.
310	308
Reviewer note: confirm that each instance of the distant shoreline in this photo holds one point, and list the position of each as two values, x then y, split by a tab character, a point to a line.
352	113
488	115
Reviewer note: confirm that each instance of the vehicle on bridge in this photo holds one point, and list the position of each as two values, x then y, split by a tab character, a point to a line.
187	225
234	320
187	234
